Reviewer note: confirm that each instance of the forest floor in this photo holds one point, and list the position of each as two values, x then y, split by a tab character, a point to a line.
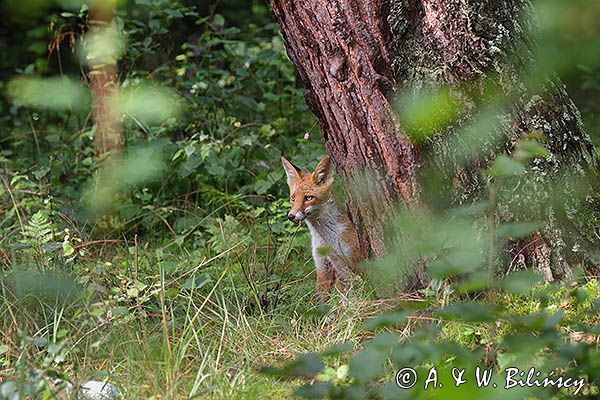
167	327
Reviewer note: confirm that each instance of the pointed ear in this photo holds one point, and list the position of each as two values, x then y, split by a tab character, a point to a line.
323	174
292	172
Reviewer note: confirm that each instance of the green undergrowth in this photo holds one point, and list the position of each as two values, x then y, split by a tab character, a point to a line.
205	327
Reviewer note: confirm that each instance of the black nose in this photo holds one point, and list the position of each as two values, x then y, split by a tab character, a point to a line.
291	217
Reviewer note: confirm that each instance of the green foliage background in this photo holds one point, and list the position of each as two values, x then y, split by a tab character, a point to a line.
175	274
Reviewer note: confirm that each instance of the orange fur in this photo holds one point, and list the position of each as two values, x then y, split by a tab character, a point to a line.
312	201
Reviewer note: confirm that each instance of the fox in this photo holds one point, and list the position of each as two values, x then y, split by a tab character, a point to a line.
334	241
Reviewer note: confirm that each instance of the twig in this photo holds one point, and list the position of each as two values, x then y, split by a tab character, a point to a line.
135	260
280	283
97	242
14	202
532	242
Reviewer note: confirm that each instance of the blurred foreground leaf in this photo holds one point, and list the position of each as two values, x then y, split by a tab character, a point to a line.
50	286
149	104
517	230
504	166
390	319
141	165
470	311
520	282
424	114
306	365
49	93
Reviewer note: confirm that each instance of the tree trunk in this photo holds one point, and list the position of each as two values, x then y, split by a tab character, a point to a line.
104	81
354	55
341	51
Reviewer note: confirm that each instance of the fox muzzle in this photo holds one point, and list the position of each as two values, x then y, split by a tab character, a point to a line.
296	217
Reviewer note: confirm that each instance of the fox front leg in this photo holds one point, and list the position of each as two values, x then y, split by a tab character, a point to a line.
325	278
341	271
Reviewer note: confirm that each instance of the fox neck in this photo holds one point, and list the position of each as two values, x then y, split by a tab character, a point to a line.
329	224
327	214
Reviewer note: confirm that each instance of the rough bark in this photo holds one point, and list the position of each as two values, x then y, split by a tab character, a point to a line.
104	88
353	54
341	53
468	44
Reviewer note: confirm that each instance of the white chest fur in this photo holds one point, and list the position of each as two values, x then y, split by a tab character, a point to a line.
326	229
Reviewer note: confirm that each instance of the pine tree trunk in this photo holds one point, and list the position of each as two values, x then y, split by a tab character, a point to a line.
341	52
354	55
104	83
104	87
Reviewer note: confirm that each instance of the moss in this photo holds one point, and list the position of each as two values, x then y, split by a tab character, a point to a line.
576	304
482	49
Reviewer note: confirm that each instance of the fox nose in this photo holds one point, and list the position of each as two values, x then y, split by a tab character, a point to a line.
292	217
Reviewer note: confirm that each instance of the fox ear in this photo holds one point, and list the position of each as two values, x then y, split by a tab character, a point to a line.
323	174
292	172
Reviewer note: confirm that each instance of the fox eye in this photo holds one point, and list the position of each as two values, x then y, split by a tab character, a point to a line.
308	198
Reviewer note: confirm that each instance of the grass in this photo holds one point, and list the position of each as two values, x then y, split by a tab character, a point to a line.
154	339
168	327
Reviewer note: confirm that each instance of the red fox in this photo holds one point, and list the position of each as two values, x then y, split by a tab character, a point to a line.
335	247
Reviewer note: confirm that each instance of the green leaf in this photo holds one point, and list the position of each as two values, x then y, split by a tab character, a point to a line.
517	230
367	365
390	319
527	343
520	282
469	311
338	349
425	114
537	321
342	372
97	312
262	186
54	348
384	341
306	365
475	282
219	20
61	333
196	282
455	263
316	390
67	248
49	93
148	103
504	166
216	170
527	149
174	13
328	374
133	292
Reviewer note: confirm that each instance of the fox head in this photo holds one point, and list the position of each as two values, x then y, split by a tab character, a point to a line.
308	191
